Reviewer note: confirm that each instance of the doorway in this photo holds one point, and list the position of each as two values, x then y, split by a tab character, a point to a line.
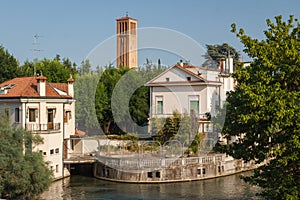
50	119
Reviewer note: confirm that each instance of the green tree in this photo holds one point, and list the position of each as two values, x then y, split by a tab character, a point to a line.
55	70
85	67
124	84
265	109
84	91
103	96
23	173
217	52
9	66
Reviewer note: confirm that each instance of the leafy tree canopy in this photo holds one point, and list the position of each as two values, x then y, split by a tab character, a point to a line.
84	88
56	70
264	109
9	66
217	52
24	174
124	84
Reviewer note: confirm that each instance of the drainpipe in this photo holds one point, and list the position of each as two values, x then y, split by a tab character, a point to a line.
25	114
63	142
150	117
220	100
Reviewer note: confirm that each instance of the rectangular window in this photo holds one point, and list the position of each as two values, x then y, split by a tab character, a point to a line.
50	119
51	151
32	114
56	168
188	78
132	28
57	150
67	116
17	115
149	175
199	171
203	171
194	107
157	174
159	105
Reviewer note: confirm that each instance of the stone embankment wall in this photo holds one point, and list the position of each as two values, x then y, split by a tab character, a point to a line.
168	169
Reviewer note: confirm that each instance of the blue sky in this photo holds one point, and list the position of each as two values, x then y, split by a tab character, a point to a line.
72	28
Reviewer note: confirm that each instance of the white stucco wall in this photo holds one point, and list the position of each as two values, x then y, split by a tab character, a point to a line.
53	139
175	75
173	88
178	98
53	142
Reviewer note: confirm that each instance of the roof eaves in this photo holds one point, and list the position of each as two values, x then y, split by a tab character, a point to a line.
192	73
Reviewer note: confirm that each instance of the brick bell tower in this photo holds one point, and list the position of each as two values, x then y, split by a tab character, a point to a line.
127	42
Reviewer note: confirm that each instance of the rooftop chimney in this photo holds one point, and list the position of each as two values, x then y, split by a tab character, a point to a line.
222	65
229	64
70	82
181	63
41	85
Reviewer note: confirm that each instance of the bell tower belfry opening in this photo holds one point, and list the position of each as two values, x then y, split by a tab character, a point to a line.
127	42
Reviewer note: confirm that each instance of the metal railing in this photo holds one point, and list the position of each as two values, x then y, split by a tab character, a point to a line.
131	163
165	115
43	127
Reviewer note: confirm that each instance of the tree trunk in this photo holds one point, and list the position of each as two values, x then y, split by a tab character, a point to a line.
106	127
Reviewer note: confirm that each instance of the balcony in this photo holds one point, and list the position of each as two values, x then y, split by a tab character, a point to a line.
43	127
201	117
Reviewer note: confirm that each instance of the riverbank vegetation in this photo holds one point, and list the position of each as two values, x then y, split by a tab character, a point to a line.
23	172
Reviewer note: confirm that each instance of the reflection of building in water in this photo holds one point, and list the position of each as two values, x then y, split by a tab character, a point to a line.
58	190
127	42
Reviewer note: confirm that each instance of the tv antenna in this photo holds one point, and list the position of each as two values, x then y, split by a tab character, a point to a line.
35	50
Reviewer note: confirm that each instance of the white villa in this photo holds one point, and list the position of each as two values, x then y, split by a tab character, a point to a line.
47	109
188	88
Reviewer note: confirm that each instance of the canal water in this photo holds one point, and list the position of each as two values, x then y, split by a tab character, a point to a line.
88	188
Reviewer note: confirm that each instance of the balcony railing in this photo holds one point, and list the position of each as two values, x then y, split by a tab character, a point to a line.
43	127
199	116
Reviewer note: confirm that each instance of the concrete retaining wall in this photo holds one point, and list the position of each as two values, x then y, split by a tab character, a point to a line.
183	169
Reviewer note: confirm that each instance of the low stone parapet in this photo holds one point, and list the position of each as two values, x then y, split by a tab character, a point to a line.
152	170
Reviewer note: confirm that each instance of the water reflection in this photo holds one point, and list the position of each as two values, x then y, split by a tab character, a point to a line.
79	187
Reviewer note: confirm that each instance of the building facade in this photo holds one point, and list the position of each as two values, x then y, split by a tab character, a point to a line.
127	42
188	89
46	109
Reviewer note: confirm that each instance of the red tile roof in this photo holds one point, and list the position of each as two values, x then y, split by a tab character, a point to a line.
79	132
61	86
27	87
198	67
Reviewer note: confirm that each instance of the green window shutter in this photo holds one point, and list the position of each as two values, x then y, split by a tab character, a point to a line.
160	107
194	106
